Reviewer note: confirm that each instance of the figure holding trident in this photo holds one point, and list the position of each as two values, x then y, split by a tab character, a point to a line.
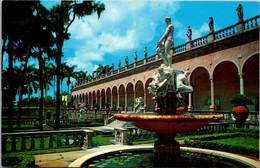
164	49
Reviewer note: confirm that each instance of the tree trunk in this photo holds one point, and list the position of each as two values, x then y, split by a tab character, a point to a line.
2	56
57	121
41	90
10	90
21	92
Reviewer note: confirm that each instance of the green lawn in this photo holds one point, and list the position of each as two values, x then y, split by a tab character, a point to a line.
100	140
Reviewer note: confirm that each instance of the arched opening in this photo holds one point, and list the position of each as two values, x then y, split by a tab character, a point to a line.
94	99
122	97
150	106
226	84
115	98
201	98
130	96
108	96
251	81
102	105
98	98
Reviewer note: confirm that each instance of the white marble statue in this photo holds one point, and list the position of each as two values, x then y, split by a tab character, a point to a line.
182	83
164	49
139	107
162	82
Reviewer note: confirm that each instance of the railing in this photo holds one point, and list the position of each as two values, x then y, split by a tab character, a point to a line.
228	116
12	142
129	134
218	35
180	48
152	58
200	41
140	62
251	23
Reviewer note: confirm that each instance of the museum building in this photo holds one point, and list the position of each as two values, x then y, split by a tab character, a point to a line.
222	64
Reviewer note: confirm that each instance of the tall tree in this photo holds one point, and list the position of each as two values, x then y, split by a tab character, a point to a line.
43	40
61	21
70	73
16	15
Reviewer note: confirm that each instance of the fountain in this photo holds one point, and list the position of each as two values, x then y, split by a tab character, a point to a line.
168	87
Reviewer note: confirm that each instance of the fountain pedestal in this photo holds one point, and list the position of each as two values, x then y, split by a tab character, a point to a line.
166	149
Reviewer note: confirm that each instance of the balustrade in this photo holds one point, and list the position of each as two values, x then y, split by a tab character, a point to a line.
45	140
221	34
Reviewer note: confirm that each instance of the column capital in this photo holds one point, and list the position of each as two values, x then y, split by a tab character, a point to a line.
240	75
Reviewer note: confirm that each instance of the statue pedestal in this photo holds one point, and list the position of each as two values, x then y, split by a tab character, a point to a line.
240	27
166	105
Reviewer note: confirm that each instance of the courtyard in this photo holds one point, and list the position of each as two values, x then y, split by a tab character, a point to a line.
184	102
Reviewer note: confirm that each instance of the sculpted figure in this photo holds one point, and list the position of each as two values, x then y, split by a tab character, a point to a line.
126	61
182	83
135	56
189	33
145	52
240	13
119	64
162	82
139	107
211	25
163	49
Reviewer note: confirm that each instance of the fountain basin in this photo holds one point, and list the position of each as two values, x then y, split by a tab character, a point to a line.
168	124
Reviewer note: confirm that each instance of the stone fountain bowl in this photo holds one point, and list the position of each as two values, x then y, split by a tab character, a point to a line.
169	124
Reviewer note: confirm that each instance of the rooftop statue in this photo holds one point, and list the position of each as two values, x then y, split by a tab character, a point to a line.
126	61
211	25
189	33
240	13
145	52
164	49
135	56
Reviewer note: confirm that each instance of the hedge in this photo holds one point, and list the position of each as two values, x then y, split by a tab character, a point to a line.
204	141
18	160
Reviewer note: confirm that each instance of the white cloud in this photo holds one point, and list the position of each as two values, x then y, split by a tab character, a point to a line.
122	26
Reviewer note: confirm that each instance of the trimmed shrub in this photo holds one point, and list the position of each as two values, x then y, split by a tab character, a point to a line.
206	141
17	160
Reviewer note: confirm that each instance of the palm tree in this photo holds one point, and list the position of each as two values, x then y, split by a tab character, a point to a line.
62	16
70	73
81	76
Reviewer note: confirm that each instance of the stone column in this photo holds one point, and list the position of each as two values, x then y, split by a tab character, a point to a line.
111	101
188	46
105	98
241	83
145	99
134	101
100	99
126	107
212	106
118	101
88	100
190	107
88	139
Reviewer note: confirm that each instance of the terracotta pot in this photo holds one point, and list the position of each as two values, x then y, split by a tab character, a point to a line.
240	113
95	109
72	108
68	109
86	109
181	109
107	110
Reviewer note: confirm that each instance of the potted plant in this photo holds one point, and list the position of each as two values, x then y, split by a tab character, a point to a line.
86	108
73	107
107	105
181	109
96	106
240	110
68	108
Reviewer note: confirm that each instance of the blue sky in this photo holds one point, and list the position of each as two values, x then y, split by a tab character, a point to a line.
128	26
